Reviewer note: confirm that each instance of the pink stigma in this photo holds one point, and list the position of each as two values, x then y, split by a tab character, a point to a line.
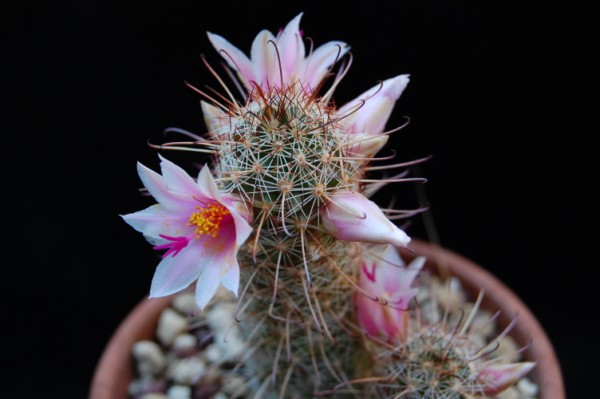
177	244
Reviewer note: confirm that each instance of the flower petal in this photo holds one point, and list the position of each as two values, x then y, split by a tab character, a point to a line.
207	185
318	63
177	179
207	285
497	377
291	48
230	278
398	278
242	228
365	145
234	57
221	253
264	59
213	117
379	101
157	187
154	221
175	273
351	217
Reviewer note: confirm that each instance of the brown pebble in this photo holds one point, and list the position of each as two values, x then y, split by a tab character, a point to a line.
205	390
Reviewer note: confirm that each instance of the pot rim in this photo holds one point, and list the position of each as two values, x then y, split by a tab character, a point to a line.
115	369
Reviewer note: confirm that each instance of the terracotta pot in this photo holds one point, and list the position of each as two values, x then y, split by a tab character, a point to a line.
115	368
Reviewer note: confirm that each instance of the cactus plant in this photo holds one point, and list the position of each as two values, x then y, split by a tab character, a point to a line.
280	216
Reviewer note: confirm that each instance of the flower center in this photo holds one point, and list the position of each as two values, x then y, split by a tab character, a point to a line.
208	219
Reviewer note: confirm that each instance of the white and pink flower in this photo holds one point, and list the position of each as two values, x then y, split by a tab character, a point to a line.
280	62
384	275
349	216
495	378
200	228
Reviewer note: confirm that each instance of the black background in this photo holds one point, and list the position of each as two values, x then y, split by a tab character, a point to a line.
501	95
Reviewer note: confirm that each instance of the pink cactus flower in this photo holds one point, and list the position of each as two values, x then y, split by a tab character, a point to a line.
349	216
200	228
384	275
280	61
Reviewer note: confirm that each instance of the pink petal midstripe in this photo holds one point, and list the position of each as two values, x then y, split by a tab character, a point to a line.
291	48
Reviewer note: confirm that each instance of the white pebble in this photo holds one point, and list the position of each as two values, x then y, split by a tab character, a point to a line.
509	393
212	353
149	356
224	295
185	303
135	387
185	344
187	371
234	385
179	392
483	323
220	317
527	387
231	347
507	351
449	294
226	334
170	324
154	395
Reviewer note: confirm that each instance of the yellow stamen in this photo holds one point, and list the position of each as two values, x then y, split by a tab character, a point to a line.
208	219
